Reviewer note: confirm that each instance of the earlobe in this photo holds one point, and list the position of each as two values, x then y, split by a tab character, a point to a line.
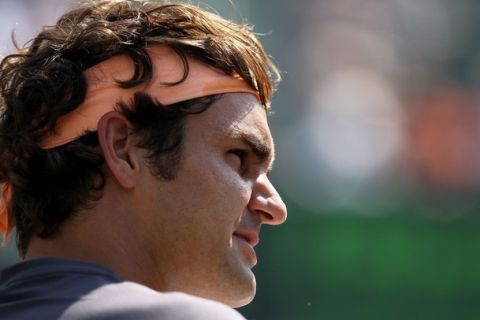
116	144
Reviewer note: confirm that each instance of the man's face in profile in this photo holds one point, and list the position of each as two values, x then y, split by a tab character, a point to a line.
201	228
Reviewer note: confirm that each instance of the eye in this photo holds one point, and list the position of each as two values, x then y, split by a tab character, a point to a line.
241	156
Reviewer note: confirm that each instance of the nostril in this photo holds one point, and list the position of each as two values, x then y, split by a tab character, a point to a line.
272	210
279	209
266	201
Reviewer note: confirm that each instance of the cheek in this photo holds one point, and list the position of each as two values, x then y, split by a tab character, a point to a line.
218	183
228	180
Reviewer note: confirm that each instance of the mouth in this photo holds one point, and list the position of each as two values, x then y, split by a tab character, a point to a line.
246	243
251	237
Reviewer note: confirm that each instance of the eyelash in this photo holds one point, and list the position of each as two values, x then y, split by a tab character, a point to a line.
241	154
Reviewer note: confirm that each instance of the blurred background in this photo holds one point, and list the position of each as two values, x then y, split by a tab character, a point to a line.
377	124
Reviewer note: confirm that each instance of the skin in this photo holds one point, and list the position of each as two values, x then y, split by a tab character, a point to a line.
195	234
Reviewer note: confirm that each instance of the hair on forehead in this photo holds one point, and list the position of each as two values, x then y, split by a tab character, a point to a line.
45	80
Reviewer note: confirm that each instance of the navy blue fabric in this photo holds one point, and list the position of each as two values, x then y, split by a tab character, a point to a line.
51	288
45	288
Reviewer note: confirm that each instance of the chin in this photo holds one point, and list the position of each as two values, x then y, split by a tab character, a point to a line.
243	296
242	303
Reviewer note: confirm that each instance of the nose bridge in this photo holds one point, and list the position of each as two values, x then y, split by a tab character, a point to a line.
266	201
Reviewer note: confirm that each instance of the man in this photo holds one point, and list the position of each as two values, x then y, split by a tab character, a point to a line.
134	153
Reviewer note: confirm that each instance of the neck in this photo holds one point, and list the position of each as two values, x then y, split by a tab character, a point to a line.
104	235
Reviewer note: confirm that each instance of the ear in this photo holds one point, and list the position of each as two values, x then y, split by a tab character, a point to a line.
118	148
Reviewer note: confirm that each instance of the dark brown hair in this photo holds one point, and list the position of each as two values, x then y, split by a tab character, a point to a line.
44	81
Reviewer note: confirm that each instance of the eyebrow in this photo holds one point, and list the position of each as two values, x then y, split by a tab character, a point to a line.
260	148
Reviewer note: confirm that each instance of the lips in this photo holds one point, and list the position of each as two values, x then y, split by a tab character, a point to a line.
251	237
245	242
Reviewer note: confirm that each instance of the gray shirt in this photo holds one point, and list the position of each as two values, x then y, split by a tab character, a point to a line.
51	288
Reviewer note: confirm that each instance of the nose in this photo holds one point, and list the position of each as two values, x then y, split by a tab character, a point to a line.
266	201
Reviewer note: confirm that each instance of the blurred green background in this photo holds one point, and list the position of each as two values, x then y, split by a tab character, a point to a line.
377	129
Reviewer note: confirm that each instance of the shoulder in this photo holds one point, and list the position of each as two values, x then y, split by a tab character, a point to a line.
128	300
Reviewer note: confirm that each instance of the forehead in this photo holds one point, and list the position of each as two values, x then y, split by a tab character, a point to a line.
233	115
